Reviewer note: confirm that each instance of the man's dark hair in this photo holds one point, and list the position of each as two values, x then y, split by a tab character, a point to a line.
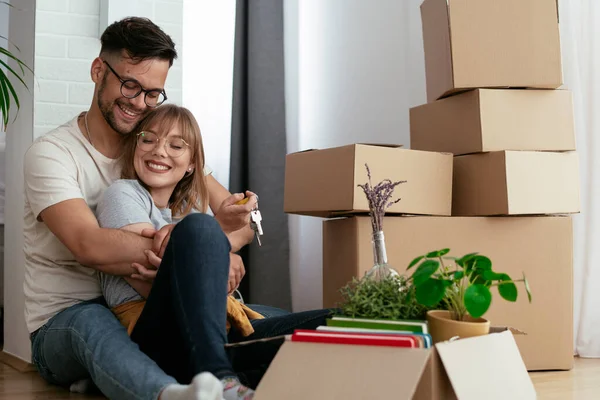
141	39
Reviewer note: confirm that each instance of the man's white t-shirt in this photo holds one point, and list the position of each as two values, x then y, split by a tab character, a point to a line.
59	166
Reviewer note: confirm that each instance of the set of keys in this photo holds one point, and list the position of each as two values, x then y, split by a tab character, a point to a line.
255	219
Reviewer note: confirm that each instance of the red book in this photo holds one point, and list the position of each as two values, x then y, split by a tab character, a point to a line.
304	335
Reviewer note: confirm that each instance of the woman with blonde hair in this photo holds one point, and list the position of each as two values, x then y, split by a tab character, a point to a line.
184	318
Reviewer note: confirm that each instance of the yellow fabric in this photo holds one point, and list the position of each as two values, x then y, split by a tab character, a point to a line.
238	315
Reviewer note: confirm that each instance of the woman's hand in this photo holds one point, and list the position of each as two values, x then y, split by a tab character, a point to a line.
233	217
160	238
143	273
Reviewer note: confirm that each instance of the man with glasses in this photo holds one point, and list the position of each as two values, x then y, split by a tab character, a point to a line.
74	335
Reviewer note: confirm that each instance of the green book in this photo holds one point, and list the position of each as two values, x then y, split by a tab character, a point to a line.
384	324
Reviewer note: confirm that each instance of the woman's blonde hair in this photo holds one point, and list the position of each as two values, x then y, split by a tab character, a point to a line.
191	191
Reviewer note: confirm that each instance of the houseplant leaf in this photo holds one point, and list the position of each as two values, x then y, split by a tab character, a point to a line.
458	275
527	288
431	292
461	261
414	262
438	253
4	100
424	271
477	300
508	291
490	275
13	72
478	262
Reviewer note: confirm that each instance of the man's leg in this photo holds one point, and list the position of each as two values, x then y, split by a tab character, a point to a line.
182	326
86	340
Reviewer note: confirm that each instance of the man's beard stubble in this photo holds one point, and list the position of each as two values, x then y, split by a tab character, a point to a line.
107	112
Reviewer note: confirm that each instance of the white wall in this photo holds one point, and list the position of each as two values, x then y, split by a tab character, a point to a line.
353	69
66	41
209	31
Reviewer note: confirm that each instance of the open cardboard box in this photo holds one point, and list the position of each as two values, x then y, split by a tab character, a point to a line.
324	183
490	43
486	367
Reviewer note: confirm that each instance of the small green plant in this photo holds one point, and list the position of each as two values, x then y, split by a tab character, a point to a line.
461	285
390	298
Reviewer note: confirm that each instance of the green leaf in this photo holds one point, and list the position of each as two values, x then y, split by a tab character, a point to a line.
527	288
490	275
508	291
481	262
10	87
461	261
431	292
4	100
424	271
414	262
438	253
5	86
458	275
13	72
477	300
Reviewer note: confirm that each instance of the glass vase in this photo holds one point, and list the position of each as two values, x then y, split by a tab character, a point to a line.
381	269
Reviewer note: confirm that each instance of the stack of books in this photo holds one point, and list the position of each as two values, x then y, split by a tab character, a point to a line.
370	332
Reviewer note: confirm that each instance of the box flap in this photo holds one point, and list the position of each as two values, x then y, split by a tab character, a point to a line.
486	367
392	145
333	371
514	331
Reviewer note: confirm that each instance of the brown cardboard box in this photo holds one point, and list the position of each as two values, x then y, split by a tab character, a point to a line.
515	183
489	43
467	369
323	183
541	247
495	119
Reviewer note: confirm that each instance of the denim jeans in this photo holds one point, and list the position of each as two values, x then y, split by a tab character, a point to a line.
180	333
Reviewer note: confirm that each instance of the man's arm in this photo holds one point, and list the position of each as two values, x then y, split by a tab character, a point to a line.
217	193
111	251
55	196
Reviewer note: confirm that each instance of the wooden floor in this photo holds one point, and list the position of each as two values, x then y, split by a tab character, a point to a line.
582	383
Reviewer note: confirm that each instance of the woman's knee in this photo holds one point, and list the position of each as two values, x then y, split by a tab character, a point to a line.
200	227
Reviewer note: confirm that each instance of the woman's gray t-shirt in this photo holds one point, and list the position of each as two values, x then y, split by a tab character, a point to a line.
123	203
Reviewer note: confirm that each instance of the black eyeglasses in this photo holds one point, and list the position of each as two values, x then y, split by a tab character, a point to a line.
131	89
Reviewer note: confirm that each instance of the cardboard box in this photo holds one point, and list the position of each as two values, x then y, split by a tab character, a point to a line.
487	367
495	119
489	43
541	247
324	183
515	183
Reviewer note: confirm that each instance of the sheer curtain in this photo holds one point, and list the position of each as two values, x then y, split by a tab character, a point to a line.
580	31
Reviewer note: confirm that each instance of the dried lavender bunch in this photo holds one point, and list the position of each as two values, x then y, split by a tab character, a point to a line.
379	199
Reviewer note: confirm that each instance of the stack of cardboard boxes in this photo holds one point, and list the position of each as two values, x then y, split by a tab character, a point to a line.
491	169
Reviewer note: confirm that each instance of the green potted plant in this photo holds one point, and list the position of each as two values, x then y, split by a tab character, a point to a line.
7	89
459	290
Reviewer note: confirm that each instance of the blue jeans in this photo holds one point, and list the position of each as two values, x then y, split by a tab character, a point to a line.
180	333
